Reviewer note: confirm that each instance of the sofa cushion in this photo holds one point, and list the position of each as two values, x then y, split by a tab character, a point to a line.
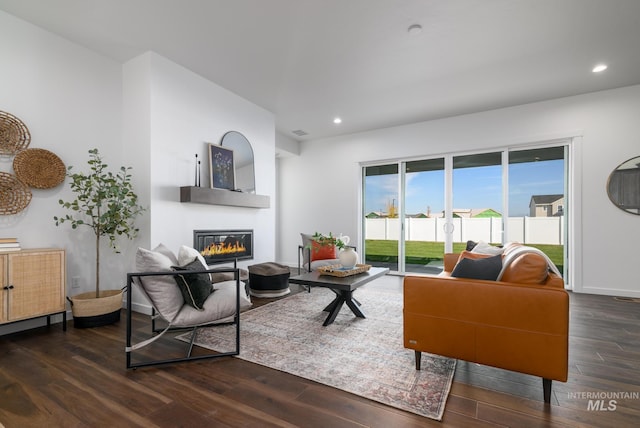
218	308
486	268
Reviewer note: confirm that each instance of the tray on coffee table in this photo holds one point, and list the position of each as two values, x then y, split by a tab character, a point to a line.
339	270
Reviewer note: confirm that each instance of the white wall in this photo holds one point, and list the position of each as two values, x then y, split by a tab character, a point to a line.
319	190
150	114
70	100
185	112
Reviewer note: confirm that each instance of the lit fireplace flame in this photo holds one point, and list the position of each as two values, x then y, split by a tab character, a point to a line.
222	248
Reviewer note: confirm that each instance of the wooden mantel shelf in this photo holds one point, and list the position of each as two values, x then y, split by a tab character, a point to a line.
205	195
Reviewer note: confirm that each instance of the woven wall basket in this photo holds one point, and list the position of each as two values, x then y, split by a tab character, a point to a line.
14	195
14	135
39	168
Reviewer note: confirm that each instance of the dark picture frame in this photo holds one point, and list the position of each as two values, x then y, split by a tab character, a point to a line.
222	171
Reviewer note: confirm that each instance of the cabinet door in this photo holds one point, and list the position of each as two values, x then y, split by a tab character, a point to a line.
3	292
38	284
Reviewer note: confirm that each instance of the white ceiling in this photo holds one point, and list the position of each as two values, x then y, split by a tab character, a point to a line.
308	61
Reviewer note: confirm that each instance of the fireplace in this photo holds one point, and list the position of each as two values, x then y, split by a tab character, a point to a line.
219	246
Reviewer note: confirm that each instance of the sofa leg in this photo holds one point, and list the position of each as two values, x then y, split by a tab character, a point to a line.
546	388
418	359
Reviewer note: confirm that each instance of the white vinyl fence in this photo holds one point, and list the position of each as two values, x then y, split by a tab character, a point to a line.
526	230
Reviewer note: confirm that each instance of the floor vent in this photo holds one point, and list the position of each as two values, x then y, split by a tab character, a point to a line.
627	299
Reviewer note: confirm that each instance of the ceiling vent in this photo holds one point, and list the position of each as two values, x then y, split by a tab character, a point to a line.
299	132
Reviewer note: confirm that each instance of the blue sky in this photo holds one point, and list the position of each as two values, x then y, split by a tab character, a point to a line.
479	187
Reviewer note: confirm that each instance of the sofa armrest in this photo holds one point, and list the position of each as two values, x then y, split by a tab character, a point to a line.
450	260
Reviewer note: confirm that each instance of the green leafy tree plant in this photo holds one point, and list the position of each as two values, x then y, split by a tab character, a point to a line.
105	202
324	240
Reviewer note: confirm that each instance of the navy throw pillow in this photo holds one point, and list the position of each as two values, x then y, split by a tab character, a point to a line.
487	268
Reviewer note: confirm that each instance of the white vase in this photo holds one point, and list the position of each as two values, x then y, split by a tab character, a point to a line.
348	257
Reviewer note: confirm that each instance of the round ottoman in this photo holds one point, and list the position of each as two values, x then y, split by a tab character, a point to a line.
269	280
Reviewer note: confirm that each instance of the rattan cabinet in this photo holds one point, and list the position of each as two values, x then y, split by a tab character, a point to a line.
33	285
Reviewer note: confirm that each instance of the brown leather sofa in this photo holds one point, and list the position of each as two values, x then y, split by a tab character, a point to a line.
510	323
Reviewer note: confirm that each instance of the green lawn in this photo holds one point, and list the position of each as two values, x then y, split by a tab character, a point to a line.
423	252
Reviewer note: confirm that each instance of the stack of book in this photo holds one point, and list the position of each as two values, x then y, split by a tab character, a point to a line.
9	244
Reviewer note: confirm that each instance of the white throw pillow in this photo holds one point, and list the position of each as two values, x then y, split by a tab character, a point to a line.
162	249
162	290
484	248
187	254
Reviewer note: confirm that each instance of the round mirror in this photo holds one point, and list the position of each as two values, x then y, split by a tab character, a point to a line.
243	160
624	186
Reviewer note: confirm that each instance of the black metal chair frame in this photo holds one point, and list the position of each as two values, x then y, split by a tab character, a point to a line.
236	320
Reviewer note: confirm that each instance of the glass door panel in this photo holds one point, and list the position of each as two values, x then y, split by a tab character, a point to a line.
381	222
424	214
477	199
537	200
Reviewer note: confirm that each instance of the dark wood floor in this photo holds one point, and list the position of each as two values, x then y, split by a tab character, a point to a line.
78	379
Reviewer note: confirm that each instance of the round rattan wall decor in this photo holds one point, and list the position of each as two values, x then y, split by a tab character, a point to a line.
14	195
39	168
14	135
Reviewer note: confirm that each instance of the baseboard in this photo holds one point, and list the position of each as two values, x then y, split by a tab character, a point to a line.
608	292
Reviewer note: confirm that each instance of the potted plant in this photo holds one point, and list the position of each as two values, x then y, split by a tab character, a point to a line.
106	203
346	254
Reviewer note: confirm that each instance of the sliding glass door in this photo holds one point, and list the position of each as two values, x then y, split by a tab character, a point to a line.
416	210
538	200
424	215
381	219
477	211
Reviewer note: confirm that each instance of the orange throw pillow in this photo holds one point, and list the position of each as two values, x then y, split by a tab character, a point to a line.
322	252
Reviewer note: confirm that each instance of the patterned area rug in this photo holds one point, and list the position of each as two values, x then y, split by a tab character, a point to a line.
365	357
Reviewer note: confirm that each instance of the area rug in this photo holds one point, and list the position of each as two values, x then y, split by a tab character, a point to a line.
365	357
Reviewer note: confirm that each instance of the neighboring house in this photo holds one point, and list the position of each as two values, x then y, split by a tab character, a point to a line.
374	214
546	206
484	213
474	213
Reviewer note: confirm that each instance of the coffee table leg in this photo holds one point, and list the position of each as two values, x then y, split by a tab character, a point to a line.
336	306
332	305
353	304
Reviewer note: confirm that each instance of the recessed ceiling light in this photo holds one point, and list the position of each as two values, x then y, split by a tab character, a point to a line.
337	121
415	29
600	67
